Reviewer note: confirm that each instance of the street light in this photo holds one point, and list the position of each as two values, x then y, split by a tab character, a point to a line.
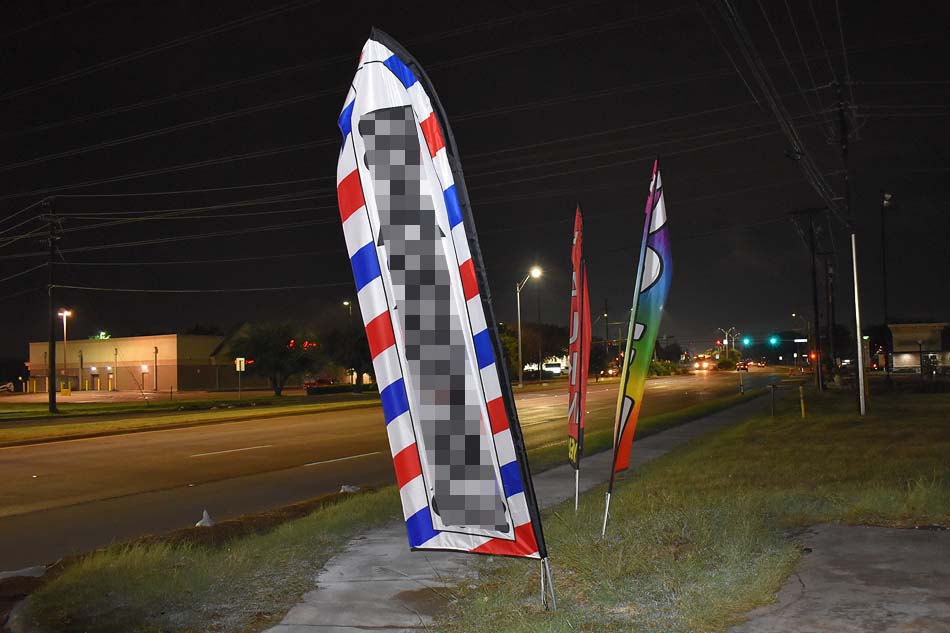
349	306
886	201
63	313
534	273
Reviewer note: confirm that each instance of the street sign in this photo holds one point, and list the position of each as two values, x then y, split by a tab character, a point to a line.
239	364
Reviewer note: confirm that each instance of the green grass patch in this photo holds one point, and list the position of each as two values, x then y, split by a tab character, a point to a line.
595	441
246	584
702	535
184	414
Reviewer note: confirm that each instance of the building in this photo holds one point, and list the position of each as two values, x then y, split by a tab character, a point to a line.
177	362
920	345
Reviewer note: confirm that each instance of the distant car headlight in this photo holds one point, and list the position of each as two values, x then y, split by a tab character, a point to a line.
696	365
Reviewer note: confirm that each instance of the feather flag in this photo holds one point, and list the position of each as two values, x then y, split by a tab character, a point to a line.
578	347
453	430
652	286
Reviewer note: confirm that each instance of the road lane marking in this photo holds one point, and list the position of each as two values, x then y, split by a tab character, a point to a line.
233	450
341	459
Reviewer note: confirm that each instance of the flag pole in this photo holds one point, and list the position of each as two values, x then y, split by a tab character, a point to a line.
625	374
546	572
582	384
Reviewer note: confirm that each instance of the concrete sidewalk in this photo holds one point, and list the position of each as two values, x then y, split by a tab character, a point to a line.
858	579
377	584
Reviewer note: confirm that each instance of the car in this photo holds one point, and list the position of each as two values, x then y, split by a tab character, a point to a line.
742	365
554	369
761	363
704	363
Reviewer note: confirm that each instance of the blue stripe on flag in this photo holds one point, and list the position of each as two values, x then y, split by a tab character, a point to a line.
511	479
401	71
483	351
395	401
419	527
345	122
452	206
365	265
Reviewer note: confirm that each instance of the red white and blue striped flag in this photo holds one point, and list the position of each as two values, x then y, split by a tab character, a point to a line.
456	443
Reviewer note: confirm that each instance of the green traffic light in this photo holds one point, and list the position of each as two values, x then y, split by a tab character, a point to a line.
746	341
773	340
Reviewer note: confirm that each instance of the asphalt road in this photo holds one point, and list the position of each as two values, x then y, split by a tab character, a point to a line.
76	495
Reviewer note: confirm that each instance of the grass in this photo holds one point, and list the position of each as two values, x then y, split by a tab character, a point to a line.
158	402
245	584
184	414
702	535
545	457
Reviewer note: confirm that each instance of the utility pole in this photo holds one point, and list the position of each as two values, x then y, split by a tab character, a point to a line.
830	299
51	243
859	347
606	334
819	381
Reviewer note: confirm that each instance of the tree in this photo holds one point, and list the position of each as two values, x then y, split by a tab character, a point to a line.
349	348
276	351
509	343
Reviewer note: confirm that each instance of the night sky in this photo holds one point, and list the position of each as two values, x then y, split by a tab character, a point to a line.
551	104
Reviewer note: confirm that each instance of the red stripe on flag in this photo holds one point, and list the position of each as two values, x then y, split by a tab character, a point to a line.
469	284
433	134
350	194
523	545
379	333
497	415
407	465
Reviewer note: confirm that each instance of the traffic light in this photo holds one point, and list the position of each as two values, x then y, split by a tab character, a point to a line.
746	341
718	341
813	356
773	340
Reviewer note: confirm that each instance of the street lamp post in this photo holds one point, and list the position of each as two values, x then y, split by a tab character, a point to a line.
886	200
349	307
535	272
63	313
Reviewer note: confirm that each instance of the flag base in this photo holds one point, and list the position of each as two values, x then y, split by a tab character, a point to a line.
603	531
547	589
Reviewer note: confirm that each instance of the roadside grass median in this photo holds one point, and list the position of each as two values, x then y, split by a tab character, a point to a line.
232	580
707	532
182	584
109	421
597	440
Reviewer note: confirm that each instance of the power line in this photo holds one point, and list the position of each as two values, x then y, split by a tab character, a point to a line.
178	127
844	54
21	292
805	58
179	238
23	272
151	50
179	168
788	64
51	18
194	262
277	72
618	163
246	202
205	290
178	218
176	192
